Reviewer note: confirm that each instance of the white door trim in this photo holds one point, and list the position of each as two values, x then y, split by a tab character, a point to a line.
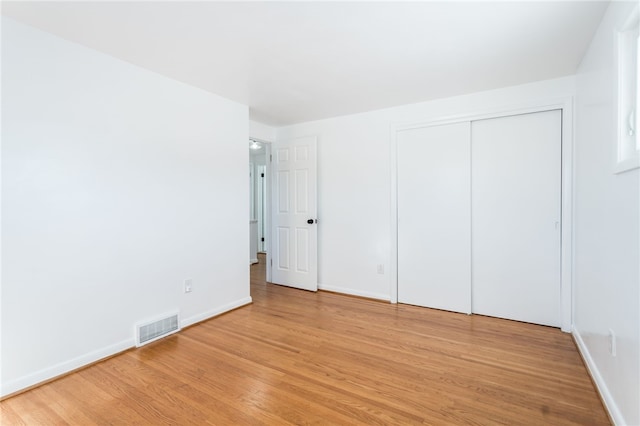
566	105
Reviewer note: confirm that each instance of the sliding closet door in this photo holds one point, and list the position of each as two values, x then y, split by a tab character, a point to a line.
434	262
515	175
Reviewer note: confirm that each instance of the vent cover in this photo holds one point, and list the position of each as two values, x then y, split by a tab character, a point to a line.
154	330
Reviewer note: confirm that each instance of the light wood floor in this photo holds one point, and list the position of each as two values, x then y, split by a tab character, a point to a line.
295	357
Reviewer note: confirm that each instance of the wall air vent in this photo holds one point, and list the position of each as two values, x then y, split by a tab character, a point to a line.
151	331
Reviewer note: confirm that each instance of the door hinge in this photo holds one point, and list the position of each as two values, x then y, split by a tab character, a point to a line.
271	262
262	239
261	174
270	157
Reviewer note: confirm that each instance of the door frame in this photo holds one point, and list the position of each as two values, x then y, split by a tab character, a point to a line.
565	104
267	195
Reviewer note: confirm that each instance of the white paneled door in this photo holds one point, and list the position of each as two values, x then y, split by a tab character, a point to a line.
294	236
516	195
434	208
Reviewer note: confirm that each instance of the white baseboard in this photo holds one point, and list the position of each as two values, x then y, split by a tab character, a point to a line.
252	261
353	292
214	312
59	369
73	364
601	386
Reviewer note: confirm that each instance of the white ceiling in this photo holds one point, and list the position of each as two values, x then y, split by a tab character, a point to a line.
300	61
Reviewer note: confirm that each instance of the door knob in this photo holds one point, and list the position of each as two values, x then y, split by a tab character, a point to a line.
310	221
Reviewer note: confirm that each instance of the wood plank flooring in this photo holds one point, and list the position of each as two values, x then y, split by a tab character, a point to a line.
295	357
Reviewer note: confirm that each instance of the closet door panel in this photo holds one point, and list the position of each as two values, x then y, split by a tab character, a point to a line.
516	190
434	262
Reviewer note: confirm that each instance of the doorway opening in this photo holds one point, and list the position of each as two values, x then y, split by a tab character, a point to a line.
260	204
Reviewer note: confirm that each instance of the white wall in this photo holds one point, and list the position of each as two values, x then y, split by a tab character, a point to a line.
117	185
262	132
606	280
354	189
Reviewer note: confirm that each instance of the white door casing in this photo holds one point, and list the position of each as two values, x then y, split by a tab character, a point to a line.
516	216
434	208
294	239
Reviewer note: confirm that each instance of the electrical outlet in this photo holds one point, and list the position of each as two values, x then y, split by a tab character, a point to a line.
612	343
380	268
188	285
